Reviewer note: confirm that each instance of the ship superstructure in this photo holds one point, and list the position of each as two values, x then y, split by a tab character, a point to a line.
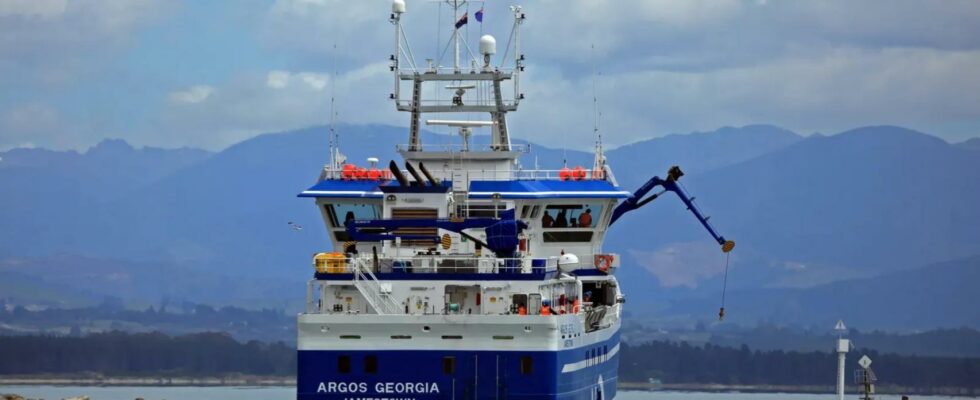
458	274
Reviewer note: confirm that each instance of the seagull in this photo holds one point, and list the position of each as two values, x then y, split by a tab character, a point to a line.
295	226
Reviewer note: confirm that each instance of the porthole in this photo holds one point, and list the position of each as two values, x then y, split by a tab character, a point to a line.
343	364
448	365
371	364
527	365
426	328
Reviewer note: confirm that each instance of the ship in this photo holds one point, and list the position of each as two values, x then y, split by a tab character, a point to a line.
457	273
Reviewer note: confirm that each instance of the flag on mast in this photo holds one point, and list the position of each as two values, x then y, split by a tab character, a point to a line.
462	20
479	15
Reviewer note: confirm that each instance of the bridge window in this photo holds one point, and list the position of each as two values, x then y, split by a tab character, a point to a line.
483	210
529	211
567	236
343	364
339	213
582	215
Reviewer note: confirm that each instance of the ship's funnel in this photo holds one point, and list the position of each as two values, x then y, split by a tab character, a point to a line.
415	174
425	171
397	173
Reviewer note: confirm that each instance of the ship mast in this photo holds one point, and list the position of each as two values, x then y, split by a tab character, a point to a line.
480	76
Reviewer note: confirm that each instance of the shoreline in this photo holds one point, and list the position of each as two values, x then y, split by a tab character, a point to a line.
813	389
289	381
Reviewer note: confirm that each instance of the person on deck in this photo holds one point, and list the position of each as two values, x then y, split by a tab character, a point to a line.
547	220
561	221
546	308
585	220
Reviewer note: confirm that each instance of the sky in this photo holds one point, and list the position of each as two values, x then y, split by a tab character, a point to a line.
210	74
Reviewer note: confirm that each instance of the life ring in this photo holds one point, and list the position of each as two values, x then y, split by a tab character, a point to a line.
603	262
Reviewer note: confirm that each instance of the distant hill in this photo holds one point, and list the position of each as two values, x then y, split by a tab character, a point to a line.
44	190
856	204
970	144
940	295
696	152
804	211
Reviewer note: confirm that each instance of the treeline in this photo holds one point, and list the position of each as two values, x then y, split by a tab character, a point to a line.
218	354
187	314
683	363
144	354
265	325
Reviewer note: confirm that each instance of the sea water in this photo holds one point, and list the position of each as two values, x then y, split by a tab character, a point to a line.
287	393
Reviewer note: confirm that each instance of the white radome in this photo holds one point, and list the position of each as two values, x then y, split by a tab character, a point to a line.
567	262
488	45
398	6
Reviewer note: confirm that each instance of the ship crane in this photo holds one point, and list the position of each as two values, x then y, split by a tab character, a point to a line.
636	201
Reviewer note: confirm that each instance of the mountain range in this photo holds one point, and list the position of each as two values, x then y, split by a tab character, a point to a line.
813	216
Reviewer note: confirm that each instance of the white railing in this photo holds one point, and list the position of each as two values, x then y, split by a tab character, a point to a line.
458	148
483	175
372	290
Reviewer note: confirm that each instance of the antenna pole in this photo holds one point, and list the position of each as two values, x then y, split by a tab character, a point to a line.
333	113
600	158
518	57
396	19
456	4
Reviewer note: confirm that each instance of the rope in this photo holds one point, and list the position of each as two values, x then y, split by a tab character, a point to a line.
724	288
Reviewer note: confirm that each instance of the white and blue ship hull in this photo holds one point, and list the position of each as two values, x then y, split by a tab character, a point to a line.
588	370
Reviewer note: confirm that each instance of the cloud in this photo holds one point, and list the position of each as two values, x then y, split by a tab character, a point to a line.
24	124
254	103
281	79
53	42
664	67
277	79
675	67
33	8
192	95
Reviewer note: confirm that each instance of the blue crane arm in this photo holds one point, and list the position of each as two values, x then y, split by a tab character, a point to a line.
637	200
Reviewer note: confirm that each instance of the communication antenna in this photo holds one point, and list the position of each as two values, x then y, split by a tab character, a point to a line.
598	165
334	138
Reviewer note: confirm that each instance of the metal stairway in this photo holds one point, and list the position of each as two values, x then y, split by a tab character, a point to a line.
376	294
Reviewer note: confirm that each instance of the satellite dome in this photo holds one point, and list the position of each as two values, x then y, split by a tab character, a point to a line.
398	6
488	45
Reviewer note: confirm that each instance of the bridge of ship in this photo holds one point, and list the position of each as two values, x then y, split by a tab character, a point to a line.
562	216
381	276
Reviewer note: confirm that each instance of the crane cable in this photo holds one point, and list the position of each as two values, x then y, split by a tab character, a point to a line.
724	288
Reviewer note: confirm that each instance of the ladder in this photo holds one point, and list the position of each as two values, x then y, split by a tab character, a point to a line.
377	294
